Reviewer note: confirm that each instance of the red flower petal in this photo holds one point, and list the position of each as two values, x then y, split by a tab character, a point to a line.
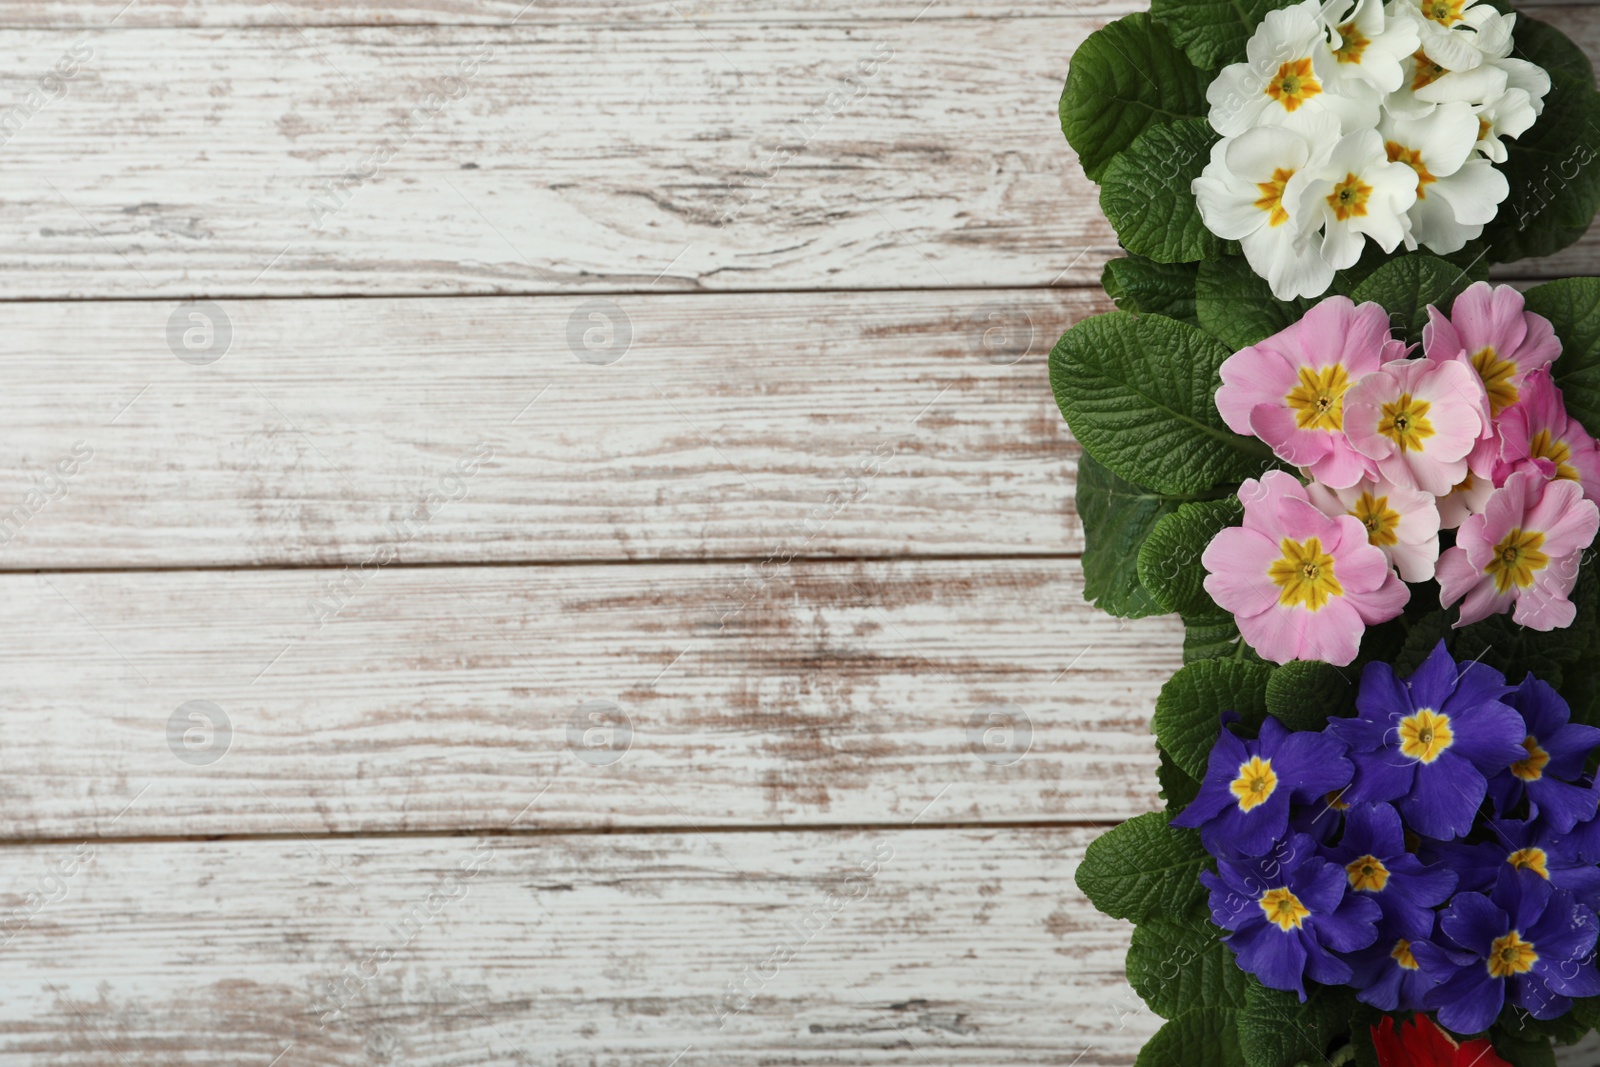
1419	1042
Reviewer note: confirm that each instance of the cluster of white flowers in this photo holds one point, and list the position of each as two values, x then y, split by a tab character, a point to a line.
1353	120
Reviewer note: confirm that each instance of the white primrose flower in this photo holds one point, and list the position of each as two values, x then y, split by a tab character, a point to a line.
1426	85
1360	193
1286	78
1458	192
1529	77
1357	119
1368	46
1457	34
1511	115
1251	192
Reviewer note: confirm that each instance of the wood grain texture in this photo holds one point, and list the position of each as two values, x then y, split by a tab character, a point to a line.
858	425
451	698
757	155
961	947
896	948
168	14
298	161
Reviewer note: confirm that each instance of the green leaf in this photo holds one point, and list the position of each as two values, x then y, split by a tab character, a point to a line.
1177	788
1555	188
1137	393
1213	32
1362	1020
1189	709
1124	79
1178	965
1426	633
1304	694
1117	516
1517	1025
1586	1010
1573	307
1406	286
1276	1030
1143	868
1519	1053
1145	193
1212	637
1516	650
1169	561
1144	286
1193	1039
1235	304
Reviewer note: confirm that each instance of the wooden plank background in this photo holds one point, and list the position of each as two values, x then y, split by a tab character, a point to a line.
732	427
629	494
442	699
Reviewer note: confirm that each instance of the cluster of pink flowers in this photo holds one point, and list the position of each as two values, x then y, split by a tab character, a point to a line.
1472	436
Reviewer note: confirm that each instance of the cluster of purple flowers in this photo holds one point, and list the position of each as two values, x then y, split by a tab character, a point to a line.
1437	852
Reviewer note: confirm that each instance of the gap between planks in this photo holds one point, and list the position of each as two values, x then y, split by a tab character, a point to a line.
732	561
957	826
1501	272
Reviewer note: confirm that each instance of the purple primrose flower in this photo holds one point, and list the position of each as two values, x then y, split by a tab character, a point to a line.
1242	808
1428	743
1289	912
1529	943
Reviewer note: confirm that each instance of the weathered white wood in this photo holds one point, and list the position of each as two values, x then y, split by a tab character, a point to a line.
961	947
92	14
757	155
870	424
207	161
166	14
447	698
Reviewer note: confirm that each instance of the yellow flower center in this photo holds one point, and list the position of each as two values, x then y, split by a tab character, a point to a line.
1349	198
1318	401
1294	85
1256	782
1425	735
1532	768
1305	574
1515	560
1411	157
1405	422
1444	12
1530	859
1544	447
1351	44
1510	955
1428	72
1496	374
1335	802
1484	126
1402	955
1284	908
1272	196
1379	518
1367	874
